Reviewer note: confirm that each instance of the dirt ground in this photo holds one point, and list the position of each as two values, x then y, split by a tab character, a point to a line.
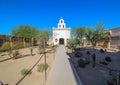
10	69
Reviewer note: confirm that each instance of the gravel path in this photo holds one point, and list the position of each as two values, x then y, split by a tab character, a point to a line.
61	72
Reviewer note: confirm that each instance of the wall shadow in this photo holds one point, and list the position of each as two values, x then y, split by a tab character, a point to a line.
29	70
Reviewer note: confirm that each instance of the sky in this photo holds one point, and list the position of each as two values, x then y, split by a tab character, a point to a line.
45	14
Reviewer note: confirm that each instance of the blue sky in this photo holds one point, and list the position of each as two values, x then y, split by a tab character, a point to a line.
44	14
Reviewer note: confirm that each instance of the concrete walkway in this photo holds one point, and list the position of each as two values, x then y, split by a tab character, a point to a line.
61	72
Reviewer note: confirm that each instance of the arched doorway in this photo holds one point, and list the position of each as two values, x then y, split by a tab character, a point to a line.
61	41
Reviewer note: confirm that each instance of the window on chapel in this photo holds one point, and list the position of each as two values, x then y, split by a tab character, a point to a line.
61	21
59	26
63	26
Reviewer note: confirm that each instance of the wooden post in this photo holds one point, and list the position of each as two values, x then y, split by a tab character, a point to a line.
118	78
45	62
11	43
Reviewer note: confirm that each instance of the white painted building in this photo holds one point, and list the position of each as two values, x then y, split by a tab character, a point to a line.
61	34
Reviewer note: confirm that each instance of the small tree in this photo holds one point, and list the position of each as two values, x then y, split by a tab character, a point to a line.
71	43
97	34
25	31
43	36
79	33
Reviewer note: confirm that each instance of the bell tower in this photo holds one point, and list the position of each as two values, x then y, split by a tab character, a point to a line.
61	24
61	34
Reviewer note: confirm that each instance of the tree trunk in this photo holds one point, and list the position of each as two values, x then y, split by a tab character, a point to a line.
93	45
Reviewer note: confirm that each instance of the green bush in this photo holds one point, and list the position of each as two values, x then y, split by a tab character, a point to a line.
41	51
25	71
94	56
77	55
104	63
102	51
18	45
2	54
108	59
42	67
5	46
88	53
76	49
81	63
71	43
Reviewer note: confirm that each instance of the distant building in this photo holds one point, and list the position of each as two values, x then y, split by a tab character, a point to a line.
61	34
112	40
115	37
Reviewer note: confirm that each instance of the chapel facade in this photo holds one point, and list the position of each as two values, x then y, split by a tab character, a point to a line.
61	34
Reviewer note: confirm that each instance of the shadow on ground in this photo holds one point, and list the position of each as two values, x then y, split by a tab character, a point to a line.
17	57
102	73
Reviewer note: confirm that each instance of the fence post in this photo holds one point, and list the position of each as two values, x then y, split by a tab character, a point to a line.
11	43
45	62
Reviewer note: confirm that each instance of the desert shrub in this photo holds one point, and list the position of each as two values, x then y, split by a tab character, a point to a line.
49	46
5	46
87	62
41	51
88	52
78	54
76	49
25	71
102	51
111	82
72	43
53	49
108	59
104	63
18	45
93	55
81	63
42	67
55	46
2	53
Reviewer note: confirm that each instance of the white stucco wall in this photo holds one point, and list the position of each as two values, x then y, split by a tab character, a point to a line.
61	33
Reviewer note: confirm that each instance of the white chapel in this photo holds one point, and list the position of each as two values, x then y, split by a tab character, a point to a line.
61	34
